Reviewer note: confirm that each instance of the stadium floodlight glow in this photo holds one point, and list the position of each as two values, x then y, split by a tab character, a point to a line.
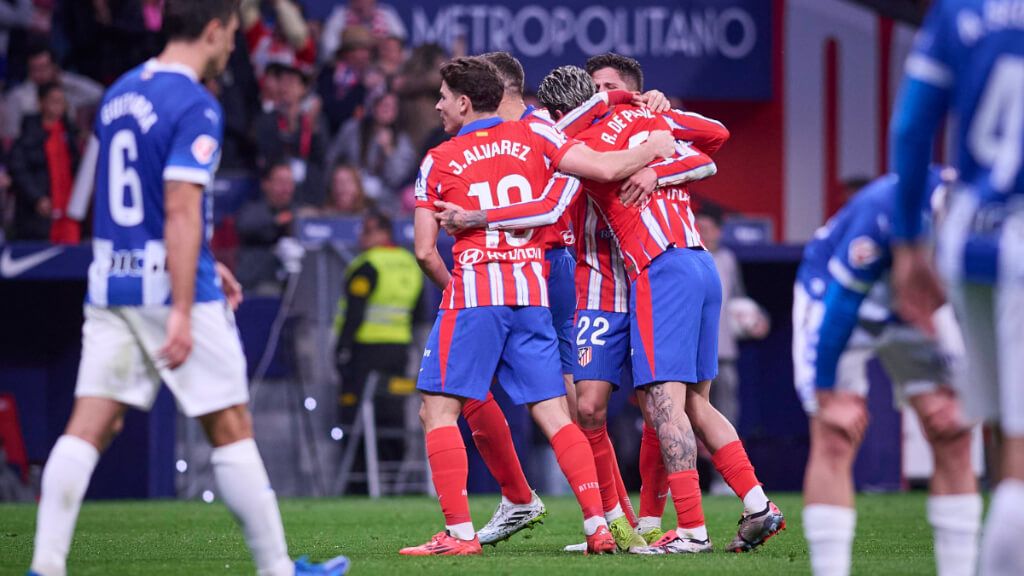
337	433
310	403
181	465
207	496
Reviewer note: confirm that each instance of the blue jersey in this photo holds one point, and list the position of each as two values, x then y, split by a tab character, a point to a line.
968	58
156	123
847	257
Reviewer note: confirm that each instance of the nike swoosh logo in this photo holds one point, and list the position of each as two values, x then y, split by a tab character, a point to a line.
11	267
662	496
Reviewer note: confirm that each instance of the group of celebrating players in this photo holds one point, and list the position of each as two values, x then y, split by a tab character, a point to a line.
602	168
607	173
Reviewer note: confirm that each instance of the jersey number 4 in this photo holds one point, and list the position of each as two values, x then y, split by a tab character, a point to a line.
125	187
996	136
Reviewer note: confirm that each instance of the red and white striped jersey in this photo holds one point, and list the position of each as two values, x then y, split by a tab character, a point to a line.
642	232
490	164
560	234
600	273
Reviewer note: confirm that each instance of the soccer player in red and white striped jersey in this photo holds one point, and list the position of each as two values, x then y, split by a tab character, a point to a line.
494	318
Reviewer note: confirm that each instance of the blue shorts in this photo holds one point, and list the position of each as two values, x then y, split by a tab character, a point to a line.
467	348
602	346
678	342
562	299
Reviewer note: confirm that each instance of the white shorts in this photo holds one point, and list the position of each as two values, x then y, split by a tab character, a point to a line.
851	374
992	316
119	346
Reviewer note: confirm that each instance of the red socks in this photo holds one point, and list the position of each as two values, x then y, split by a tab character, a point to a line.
449	466
732	463
653	479
577	463
685	487
620	487
493	440
604	460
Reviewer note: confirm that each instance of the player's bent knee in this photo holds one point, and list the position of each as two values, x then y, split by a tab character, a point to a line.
227	426
833	447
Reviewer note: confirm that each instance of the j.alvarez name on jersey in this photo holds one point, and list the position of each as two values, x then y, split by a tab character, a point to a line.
490	150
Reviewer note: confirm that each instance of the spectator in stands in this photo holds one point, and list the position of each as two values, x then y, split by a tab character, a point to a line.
80	92
262	224
383	286
110	37
14	14
342	83
237	91
288	40
346	196
390	55
375	143
294	130
380	19
43	162
725	388
417	86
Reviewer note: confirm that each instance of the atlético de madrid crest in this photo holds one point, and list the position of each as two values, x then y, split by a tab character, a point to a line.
583	355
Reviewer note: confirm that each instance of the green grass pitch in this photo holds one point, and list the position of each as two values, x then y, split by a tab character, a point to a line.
194	538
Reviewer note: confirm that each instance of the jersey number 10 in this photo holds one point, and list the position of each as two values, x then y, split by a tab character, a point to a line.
482	192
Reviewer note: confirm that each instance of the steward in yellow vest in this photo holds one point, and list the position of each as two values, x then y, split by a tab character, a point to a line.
383	286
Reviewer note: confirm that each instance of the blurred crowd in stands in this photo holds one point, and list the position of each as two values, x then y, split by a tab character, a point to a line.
331	117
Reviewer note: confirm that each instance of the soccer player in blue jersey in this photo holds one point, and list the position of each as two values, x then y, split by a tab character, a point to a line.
841	318
155	308
969	59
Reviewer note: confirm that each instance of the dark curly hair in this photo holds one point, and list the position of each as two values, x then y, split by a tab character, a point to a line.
628	68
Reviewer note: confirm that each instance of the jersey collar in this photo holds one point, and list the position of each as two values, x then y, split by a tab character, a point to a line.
153	65
481	124
529	111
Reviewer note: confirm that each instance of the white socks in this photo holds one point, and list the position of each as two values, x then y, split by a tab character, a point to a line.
463	531
829	532
65	479
648	523
614	514
956	522
755	500
243	484
590	525
1001	549
698	533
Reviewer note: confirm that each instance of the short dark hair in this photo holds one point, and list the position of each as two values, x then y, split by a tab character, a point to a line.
477	79
40	46
712	212
381	220
509	70
44	89
274	164
628	68
565	88
186	19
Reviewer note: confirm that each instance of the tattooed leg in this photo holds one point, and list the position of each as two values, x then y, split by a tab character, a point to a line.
666	407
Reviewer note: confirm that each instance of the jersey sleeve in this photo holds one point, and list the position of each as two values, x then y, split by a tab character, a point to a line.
923	101
704	133
584	115
195	145
559	193
837	325
862	255
551	141
688	165
428	187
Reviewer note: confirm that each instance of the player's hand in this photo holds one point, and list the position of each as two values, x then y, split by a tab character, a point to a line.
454	219
44	207
656	101
232	289
179	340
663	142
844	412
918	290
638	188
